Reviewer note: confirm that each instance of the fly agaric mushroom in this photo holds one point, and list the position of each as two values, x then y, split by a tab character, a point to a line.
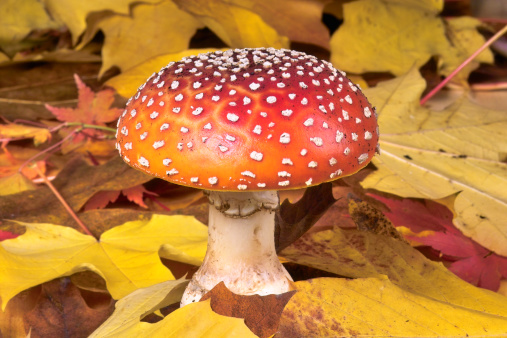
242	124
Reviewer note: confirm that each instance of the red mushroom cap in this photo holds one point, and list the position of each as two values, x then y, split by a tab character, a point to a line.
255	119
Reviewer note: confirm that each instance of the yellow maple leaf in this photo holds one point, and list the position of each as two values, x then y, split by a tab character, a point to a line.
127	256
394	36
375	307
193	320
74	13
150	30
430	154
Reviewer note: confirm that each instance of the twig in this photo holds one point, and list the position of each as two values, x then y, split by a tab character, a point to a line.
62	200
461	66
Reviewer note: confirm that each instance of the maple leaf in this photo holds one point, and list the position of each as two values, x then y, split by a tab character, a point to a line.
102	198
470	261
7	235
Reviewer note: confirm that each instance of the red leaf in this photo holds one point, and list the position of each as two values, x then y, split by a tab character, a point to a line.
135	194
7	235
101	199
470	261
92	108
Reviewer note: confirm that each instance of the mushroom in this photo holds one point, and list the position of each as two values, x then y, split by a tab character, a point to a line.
242	124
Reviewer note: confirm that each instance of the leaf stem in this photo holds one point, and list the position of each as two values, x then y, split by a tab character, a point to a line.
89	126
461	66
63	202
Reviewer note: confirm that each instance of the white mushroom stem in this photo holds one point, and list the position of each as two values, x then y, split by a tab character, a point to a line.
241	247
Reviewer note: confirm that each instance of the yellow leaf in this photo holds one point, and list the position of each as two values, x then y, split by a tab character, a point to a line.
15	183
430	154
237	26
394	36
21	17
12	130
331	307
127	256
361	254
127	82
74	13
193	320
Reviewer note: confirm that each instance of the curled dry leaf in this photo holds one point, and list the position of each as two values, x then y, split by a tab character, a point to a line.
261	313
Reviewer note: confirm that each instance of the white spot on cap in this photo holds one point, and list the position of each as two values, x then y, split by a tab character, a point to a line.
261	185
154	115
303	85
166	161
287	161
362	158
345	114
322	109
215	98
158	144
348	99
161	103
172	172
367	112
354	137
194	179
284	174
332	161
124	130
336	173
232	92
256	156
346	151
143	135
179	97
197	85
199	96
232	117
284	183
213	180
271	99
246	100
254	86
184	130
222	148
138	125
317	140
257	129
287	112
179	146
292	96
280	85
197	111
358	120
304	152
132	113
128	145
242	187
144	162
309	182
230	138
248	173
150	102
207	126
285	138
367	135
218	87
308	122
312	164
304	101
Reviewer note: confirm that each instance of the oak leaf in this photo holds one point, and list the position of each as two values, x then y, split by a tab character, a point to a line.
127	256
261	313
193	320
434	154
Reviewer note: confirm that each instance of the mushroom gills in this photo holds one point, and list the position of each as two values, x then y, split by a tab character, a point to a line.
241	247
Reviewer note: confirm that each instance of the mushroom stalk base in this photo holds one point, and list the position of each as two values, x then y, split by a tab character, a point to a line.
241	247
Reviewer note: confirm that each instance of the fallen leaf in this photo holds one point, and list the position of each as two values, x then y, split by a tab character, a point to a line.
293	220
376	307
127	256
193	320
169	30
20	131
61	311
7	235
261	313
15	183
367	218
19	19
77	182
395	36
434	154
432	226
102	198
74	13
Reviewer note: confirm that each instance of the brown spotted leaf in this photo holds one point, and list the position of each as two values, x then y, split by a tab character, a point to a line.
293	220
261	313
61	311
